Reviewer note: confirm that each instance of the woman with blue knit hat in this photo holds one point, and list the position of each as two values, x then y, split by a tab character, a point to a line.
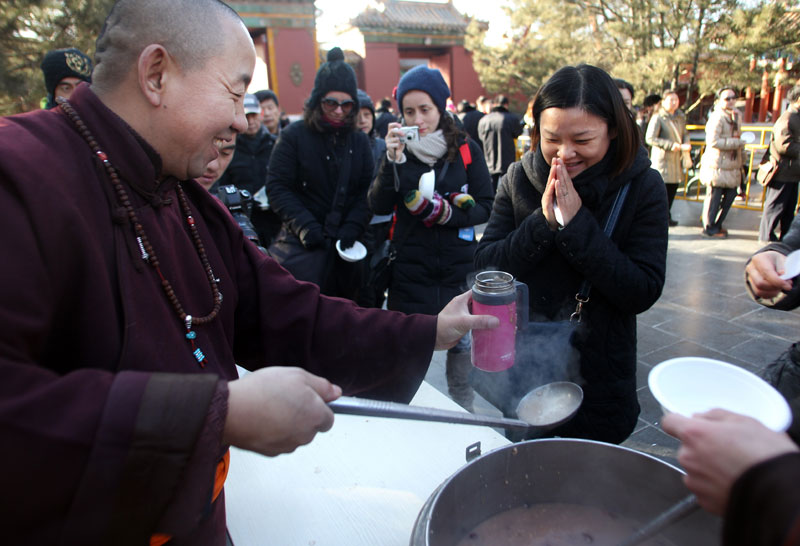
319	174
439	187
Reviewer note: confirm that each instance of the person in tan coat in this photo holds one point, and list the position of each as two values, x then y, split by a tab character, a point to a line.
721	165
668	138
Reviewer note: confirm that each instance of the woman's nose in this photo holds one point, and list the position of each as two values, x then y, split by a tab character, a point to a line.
566	151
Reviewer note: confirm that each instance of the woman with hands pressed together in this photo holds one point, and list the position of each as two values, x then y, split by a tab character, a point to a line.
440	188
547	229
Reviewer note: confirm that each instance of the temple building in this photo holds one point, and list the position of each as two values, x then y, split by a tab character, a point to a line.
285	36
392	36
399	35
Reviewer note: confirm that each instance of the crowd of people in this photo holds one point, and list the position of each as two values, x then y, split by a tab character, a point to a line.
135	291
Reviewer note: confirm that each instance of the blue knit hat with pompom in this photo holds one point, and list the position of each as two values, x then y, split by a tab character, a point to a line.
425	79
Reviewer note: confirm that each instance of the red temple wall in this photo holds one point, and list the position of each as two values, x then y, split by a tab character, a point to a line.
381	70
292	46
467	85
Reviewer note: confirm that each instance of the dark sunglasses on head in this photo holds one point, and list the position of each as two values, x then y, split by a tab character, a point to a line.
330	105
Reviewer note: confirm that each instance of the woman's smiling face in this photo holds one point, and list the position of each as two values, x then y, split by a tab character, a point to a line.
575	136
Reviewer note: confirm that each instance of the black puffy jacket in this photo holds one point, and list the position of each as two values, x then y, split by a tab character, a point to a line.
303	177
626	274
433	262
248	168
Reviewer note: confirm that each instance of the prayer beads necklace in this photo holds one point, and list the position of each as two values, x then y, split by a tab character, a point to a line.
148	253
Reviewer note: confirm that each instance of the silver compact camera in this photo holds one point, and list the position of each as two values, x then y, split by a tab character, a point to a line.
410	133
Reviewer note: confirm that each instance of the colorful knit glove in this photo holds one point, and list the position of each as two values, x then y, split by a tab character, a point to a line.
433	211
461	200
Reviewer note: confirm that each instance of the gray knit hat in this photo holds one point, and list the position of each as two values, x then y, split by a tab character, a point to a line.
364	101
335	75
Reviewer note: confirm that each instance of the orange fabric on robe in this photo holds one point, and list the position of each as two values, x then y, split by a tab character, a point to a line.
219	482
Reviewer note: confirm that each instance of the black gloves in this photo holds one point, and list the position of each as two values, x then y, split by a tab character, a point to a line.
348	234
312	237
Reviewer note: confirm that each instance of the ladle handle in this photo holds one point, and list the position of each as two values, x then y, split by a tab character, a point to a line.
378	408
672	515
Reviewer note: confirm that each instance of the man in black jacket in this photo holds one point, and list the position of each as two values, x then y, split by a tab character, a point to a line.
497	131
270	110
470	119
384	117
248	169
781	193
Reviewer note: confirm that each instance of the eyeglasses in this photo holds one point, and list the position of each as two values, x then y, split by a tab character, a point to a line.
330	105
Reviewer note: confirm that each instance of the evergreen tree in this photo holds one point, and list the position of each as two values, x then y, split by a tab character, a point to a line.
31	28
651	43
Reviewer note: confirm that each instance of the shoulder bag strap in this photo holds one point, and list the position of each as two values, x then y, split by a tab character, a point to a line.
582	296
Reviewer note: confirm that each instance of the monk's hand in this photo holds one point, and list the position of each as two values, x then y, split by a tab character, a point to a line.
277	409
455	321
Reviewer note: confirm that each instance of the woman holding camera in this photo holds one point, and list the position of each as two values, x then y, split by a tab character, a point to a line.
548	229
434	234
318	178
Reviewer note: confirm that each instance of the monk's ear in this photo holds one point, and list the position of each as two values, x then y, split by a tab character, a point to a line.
154	64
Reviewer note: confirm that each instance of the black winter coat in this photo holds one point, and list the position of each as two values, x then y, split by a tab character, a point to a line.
497	130
432	262
470	121
248	168
627	275
304	173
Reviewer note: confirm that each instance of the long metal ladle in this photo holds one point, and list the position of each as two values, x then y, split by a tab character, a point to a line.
541	409
673	514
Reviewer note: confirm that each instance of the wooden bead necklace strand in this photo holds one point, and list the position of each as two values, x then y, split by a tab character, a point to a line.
146	249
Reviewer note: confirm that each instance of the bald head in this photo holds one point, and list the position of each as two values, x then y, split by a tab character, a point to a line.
190	30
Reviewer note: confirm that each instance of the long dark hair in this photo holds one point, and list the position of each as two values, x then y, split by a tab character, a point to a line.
452	135
591	89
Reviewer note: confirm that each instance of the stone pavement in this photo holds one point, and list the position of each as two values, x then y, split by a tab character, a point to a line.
704	311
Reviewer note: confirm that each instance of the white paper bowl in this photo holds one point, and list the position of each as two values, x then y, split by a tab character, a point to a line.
692	385
427	182
353	254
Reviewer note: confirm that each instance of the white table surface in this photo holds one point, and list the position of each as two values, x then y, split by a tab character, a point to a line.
361	483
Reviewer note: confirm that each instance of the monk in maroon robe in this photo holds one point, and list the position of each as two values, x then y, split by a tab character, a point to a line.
127	294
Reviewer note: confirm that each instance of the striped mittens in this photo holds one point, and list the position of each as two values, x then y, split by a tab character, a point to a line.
461	200
432	211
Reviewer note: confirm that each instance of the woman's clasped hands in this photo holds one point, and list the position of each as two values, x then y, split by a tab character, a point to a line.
560	201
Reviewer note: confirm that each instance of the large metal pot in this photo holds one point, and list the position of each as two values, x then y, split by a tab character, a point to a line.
614	478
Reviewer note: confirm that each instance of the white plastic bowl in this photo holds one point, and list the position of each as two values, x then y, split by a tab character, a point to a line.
792	265
690	385
427	182
353	254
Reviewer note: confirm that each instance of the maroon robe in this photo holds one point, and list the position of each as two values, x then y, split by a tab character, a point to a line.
110	429
764	506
